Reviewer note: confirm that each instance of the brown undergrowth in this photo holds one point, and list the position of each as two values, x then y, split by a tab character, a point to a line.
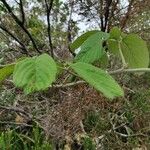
66	116
67	112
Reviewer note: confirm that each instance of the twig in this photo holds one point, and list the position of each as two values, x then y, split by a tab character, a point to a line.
125	19
132	135
136	70
20	23
107	13
101	15
112	14
121	54
68	84
69	29
22	12
109	131
17	110
110	72
23	47
48	12
15	123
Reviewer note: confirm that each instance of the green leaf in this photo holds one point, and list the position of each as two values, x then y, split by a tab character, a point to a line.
104	61
135	51
133	48
98	78
113	46
115	36
34	74
6	71
80	40
92	48
115	33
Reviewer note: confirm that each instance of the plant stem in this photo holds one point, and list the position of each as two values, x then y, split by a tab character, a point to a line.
122	57
110	72
130	70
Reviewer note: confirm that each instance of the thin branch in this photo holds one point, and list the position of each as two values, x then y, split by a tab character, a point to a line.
112	14
101	14
16	110
110	72
111	130
130	70
23	47
15	123
22	12
132	135
122	56
48	11
107	13
19	22
93	15
17	2
69	29
69	84
125	19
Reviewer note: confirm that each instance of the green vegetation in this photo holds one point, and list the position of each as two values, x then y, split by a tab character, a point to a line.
74	75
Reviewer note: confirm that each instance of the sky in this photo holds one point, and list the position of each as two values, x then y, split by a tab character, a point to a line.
82	25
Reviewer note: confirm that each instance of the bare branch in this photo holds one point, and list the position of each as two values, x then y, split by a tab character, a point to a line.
107	13
69	84
122	70
23	47
16	110
112	14
48	12
69	28
130	70
101	14
22	12
15	123
19	22
126	17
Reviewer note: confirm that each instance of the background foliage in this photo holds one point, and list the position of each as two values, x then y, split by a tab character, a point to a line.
67	113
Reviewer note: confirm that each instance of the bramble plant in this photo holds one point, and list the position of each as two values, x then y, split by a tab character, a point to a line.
40	72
